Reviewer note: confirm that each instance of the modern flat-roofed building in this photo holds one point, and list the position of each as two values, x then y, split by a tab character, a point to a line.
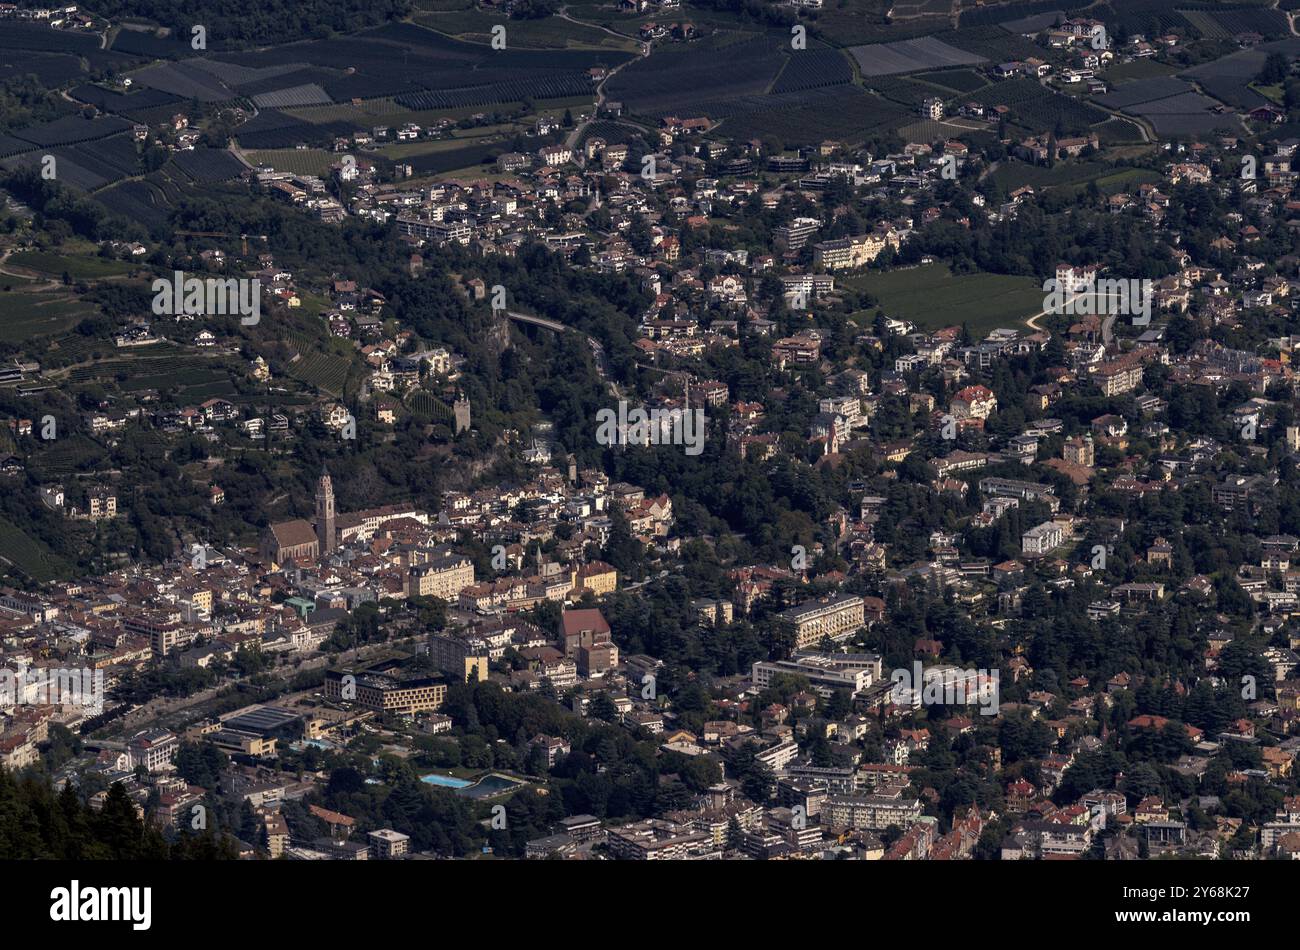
824	673
386	844
657	840
1042	538
873	812
461	655
153	748
386	693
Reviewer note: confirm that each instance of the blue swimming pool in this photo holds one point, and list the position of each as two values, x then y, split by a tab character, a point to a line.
446	781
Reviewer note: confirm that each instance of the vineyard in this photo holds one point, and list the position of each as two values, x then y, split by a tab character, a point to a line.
555	86
901	90
676	81
848	115
27	316
814	69
29	557
963	81
1037	108
297	161
208	164
324	371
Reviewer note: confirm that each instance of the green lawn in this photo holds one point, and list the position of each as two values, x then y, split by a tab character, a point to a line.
933	297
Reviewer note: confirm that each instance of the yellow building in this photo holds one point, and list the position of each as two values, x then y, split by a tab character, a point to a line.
598	577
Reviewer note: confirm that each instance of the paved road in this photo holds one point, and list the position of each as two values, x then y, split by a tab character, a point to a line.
571	141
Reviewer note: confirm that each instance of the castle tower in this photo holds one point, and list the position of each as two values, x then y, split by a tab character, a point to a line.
460	408
325	514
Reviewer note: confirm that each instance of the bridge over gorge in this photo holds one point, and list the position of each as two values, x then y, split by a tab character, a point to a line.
555	326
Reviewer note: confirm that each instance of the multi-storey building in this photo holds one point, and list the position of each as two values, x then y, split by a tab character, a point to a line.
836	618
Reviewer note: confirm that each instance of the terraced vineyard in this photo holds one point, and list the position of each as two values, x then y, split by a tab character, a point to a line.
28	556
326	372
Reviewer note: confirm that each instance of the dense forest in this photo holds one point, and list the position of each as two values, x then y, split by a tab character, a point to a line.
39	823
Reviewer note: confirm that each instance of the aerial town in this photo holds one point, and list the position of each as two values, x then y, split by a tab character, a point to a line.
663	429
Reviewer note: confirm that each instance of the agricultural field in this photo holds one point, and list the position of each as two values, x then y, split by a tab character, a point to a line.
404	151
1118	132
930	295
166	369
208	165
297	161
1127	179
25	315
52	69
901	90
927	130
612	132
1228	79
963	81
149	201
1138	69
325	371
410	67
85	166
386	111
1142	16
555	85
973	15
857	22
81	264
456	159
1225	24
1074	174
308	94
69	454
27	555
909	56
1136	93
679	80
992	43
550	33
813	69
1037	108
847	115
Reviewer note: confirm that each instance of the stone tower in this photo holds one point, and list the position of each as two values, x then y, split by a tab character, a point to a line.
460	409
325	532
